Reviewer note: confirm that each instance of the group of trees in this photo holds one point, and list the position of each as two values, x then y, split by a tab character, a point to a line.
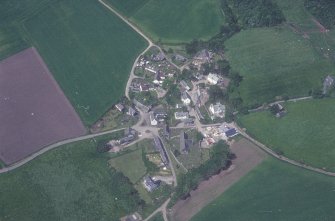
254	13
323	10
220	159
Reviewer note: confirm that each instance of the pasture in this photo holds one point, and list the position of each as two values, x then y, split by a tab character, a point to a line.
90	53
174	21
275	62
34	111
305	134
73	182
275	191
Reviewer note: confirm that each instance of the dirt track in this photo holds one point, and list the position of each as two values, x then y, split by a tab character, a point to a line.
248	157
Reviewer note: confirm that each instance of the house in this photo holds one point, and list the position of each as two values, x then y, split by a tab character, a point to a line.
131	112
213	79
180	58
144	87
204	55
185	85
159	147
217	109
120	107
185	98
328	83
150	184
150	70
181	115
184	149
231	132
159	78
153	120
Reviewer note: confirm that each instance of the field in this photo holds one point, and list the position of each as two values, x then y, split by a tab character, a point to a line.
34	111
131	165
73	182
174	21
248	156
275	191
90	59
305	134
275	62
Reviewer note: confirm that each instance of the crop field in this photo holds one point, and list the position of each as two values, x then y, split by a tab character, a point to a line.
275	62
72	182
129	7
174	21
34	111
305	134
131	165
275	191
90	53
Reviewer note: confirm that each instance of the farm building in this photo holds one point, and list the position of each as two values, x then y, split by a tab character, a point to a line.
184	85
131	111
119	107
159	147
153	120
328	83
160	115
231	133
150	184
167	131
184	148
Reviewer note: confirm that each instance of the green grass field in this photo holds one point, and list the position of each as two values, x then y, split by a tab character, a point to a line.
173	21
72	182
275	62
131	165
275	191
305	134
90	52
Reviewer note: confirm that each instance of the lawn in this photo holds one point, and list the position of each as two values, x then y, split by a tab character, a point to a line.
72	182
177	21
131	165
275	191
275	62
10	41
305	134
90	53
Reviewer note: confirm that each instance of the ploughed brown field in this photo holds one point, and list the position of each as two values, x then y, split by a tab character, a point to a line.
34	112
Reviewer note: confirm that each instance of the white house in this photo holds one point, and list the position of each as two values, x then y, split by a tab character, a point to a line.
185	98
213	79
153	120
181	115
217	109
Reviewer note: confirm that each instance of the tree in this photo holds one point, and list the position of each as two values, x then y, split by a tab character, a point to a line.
216	94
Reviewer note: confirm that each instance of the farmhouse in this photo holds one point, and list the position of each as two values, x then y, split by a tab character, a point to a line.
158	57
213	79
181	115
185	98
217	109
144	87
131	112
159	147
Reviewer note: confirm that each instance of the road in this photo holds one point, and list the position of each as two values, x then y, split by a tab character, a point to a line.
53	146
162	209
